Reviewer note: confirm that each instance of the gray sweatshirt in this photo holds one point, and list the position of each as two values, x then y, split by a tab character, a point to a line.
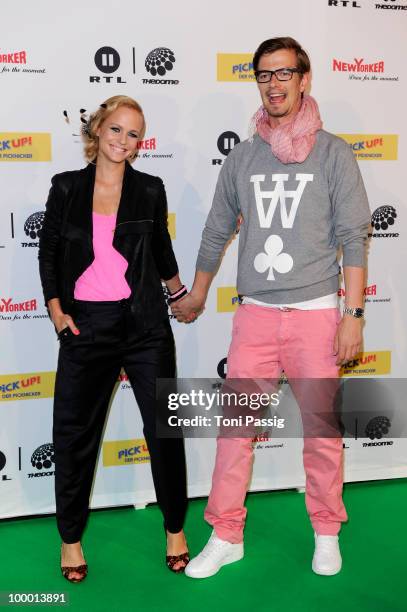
295	216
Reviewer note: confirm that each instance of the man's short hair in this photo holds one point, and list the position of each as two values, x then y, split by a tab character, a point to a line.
283	42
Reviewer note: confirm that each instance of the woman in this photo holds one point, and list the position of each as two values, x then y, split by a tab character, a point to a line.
103	251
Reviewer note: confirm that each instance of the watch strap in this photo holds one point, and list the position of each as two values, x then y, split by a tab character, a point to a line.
358	313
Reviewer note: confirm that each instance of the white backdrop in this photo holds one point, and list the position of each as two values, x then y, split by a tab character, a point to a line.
52	59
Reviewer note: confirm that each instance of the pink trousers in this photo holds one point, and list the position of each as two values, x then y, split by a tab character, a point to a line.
266	341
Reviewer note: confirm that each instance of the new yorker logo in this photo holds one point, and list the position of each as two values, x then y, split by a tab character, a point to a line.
17	57
357	65
7	305
20	311
369	290
361	70
371	293
16	62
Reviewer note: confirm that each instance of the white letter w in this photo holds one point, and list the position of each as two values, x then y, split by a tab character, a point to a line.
278	194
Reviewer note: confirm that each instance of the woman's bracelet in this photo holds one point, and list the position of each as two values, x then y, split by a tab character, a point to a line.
177	295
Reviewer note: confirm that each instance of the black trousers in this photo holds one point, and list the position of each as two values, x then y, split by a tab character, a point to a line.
88	368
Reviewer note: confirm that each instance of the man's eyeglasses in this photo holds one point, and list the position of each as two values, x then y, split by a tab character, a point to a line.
282	74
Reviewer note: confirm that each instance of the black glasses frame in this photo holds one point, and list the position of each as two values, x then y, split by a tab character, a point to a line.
276	72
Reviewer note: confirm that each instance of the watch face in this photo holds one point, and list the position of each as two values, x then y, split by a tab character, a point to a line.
358	312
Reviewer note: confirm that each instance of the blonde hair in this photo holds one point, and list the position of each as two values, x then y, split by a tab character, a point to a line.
91	140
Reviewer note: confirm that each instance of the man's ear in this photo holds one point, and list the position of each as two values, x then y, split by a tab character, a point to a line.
304	81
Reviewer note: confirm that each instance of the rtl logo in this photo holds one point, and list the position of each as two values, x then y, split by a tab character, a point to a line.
344	3
226	142
107	60
3	462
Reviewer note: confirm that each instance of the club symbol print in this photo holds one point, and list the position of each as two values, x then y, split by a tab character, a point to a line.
273	258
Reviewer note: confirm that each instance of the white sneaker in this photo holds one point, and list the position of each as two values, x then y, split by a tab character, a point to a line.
216	553
327	560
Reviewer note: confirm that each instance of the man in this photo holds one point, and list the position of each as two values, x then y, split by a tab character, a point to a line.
300	194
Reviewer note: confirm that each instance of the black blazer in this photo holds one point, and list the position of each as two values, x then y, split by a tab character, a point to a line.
141	236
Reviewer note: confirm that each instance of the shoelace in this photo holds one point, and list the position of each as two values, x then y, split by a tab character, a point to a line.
326	545
212	546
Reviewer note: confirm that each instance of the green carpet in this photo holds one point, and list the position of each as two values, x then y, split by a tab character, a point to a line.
125	552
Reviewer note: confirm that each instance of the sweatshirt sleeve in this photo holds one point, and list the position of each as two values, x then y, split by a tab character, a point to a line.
350	206
222	218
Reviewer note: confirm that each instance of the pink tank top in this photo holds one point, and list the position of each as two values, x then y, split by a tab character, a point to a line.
104	279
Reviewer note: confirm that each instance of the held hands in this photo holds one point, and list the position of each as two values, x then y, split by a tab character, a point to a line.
188	309
348	339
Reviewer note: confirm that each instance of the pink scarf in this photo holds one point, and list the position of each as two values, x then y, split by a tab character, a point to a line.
290	142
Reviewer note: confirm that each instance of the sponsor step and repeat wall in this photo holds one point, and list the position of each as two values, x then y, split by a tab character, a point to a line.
198	93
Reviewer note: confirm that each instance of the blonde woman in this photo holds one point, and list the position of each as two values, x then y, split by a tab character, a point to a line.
103	251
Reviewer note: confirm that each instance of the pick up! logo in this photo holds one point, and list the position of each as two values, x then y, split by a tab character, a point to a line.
228	300
377	147
368	364
36	385
235	67
125	452
25	146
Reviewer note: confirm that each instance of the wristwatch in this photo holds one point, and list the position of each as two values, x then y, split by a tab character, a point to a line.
355	312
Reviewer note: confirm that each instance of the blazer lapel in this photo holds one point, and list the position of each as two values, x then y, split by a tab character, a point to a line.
80	225
126	222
